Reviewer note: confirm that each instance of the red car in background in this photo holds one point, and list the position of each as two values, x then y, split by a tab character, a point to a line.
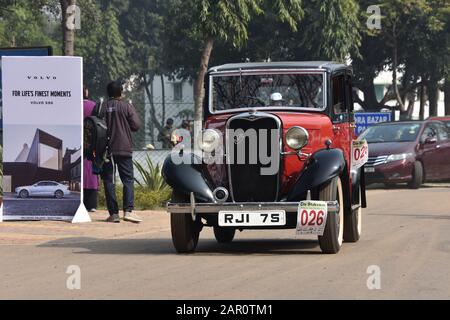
409	152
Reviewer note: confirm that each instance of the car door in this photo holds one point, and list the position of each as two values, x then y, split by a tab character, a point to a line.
341	104
36	189
444	151
52	187
430	151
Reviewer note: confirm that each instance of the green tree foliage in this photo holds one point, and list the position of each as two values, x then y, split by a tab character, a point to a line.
24	23
413	40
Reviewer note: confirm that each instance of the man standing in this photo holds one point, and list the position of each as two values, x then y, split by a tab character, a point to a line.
165	135
121	120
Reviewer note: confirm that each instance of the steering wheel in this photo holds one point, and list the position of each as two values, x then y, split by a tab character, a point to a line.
260	102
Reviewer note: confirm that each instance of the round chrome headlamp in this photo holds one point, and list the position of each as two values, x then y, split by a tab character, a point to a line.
297	138
210	140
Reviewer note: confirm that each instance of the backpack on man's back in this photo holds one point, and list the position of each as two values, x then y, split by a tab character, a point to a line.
96	140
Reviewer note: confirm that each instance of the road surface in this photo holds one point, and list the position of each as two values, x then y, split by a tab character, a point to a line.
406	236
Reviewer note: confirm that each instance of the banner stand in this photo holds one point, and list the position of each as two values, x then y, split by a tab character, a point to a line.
82	215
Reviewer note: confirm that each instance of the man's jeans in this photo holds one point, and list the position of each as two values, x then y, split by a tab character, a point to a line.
125	167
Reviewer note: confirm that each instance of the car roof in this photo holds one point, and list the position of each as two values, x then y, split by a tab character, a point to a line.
439	118
330	66
400	122
406	122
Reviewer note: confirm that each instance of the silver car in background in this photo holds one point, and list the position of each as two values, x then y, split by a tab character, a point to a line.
43	189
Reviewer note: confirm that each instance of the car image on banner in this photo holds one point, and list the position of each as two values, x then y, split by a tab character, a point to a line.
42	137
43	189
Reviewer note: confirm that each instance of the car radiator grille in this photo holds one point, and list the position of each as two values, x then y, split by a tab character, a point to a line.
374	161
246	181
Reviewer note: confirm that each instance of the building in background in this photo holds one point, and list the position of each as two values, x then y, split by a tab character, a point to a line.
171	98
42	161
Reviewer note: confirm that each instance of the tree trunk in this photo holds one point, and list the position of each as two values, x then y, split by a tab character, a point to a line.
433	95
163	91
422	99
447	95
400	102
68	47
152	105
199	85
370	99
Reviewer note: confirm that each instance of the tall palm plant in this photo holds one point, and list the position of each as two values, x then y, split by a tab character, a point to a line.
152	178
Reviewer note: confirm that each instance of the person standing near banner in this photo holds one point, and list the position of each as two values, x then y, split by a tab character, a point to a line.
121	120
90	180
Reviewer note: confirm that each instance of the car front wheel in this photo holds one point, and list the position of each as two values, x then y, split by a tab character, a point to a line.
331	240
224	235
185	231
417	176
24	194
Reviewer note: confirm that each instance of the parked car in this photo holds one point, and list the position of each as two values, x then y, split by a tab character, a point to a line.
445	120
307	106
43	189
407	152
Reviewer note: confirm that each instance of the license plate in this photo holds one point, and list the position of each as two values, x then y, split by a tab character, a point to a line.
369	169
252	218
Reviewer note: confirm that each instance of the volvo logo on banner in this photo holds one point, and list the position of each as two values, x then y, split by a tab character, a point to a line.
42	137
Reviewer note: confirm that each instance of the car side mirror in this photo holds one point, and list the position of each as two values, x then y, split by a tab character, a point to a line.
430	140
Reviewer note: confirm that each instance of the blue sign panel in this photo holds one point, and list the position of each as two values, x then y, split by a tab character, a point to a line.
28	52
366	119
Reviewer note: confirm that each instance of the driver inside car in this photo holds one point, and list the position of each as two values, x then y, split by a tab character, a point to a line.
276	99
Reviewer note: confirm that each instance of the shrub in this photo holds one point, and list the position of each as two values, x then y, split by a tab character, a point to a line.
151	177
144	199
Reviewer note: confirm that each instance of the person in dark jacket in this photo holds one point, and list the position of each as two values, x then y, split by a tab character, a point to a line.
121	120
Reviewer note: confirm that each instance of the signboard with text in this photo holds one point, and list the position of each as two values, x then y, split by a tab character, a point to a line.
364	120
42	137
23	52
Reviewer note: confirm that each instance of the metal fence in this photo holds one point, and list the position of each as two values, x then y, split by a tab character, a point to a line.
154	116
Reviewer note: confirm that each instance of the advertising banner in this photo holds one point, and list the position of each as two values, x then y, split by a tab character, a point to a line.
28	52
366	119
42	137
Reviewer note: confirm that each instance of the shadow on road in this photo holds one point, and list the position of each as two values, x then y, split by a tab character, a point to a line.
206	246
399	186
417	216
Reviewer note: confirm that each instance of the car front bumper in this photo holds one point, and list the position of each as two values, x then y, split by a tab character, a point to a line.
392	172
214	208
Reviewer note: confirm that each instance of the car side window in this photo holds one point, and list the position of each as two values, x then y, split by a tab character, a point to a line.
443	133
339	95
428	132
41	184
348	93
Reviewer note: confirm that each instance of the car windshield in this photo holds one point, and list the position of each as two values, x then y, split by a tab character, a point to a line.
399	132
296	90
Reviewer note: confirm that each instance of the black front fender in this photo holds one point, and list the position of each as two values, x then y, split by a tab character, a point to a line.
321	167
184	175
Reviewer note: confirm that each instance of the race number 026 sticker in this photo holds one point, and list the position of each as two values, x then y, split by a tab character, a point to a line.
312	217
360	153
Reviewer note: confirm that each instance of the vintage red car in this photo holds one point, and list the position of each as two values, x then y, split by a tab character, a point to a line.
280	135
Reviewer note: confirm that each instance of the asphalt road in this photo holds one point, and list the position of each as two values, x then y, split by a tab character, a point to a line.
406	234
